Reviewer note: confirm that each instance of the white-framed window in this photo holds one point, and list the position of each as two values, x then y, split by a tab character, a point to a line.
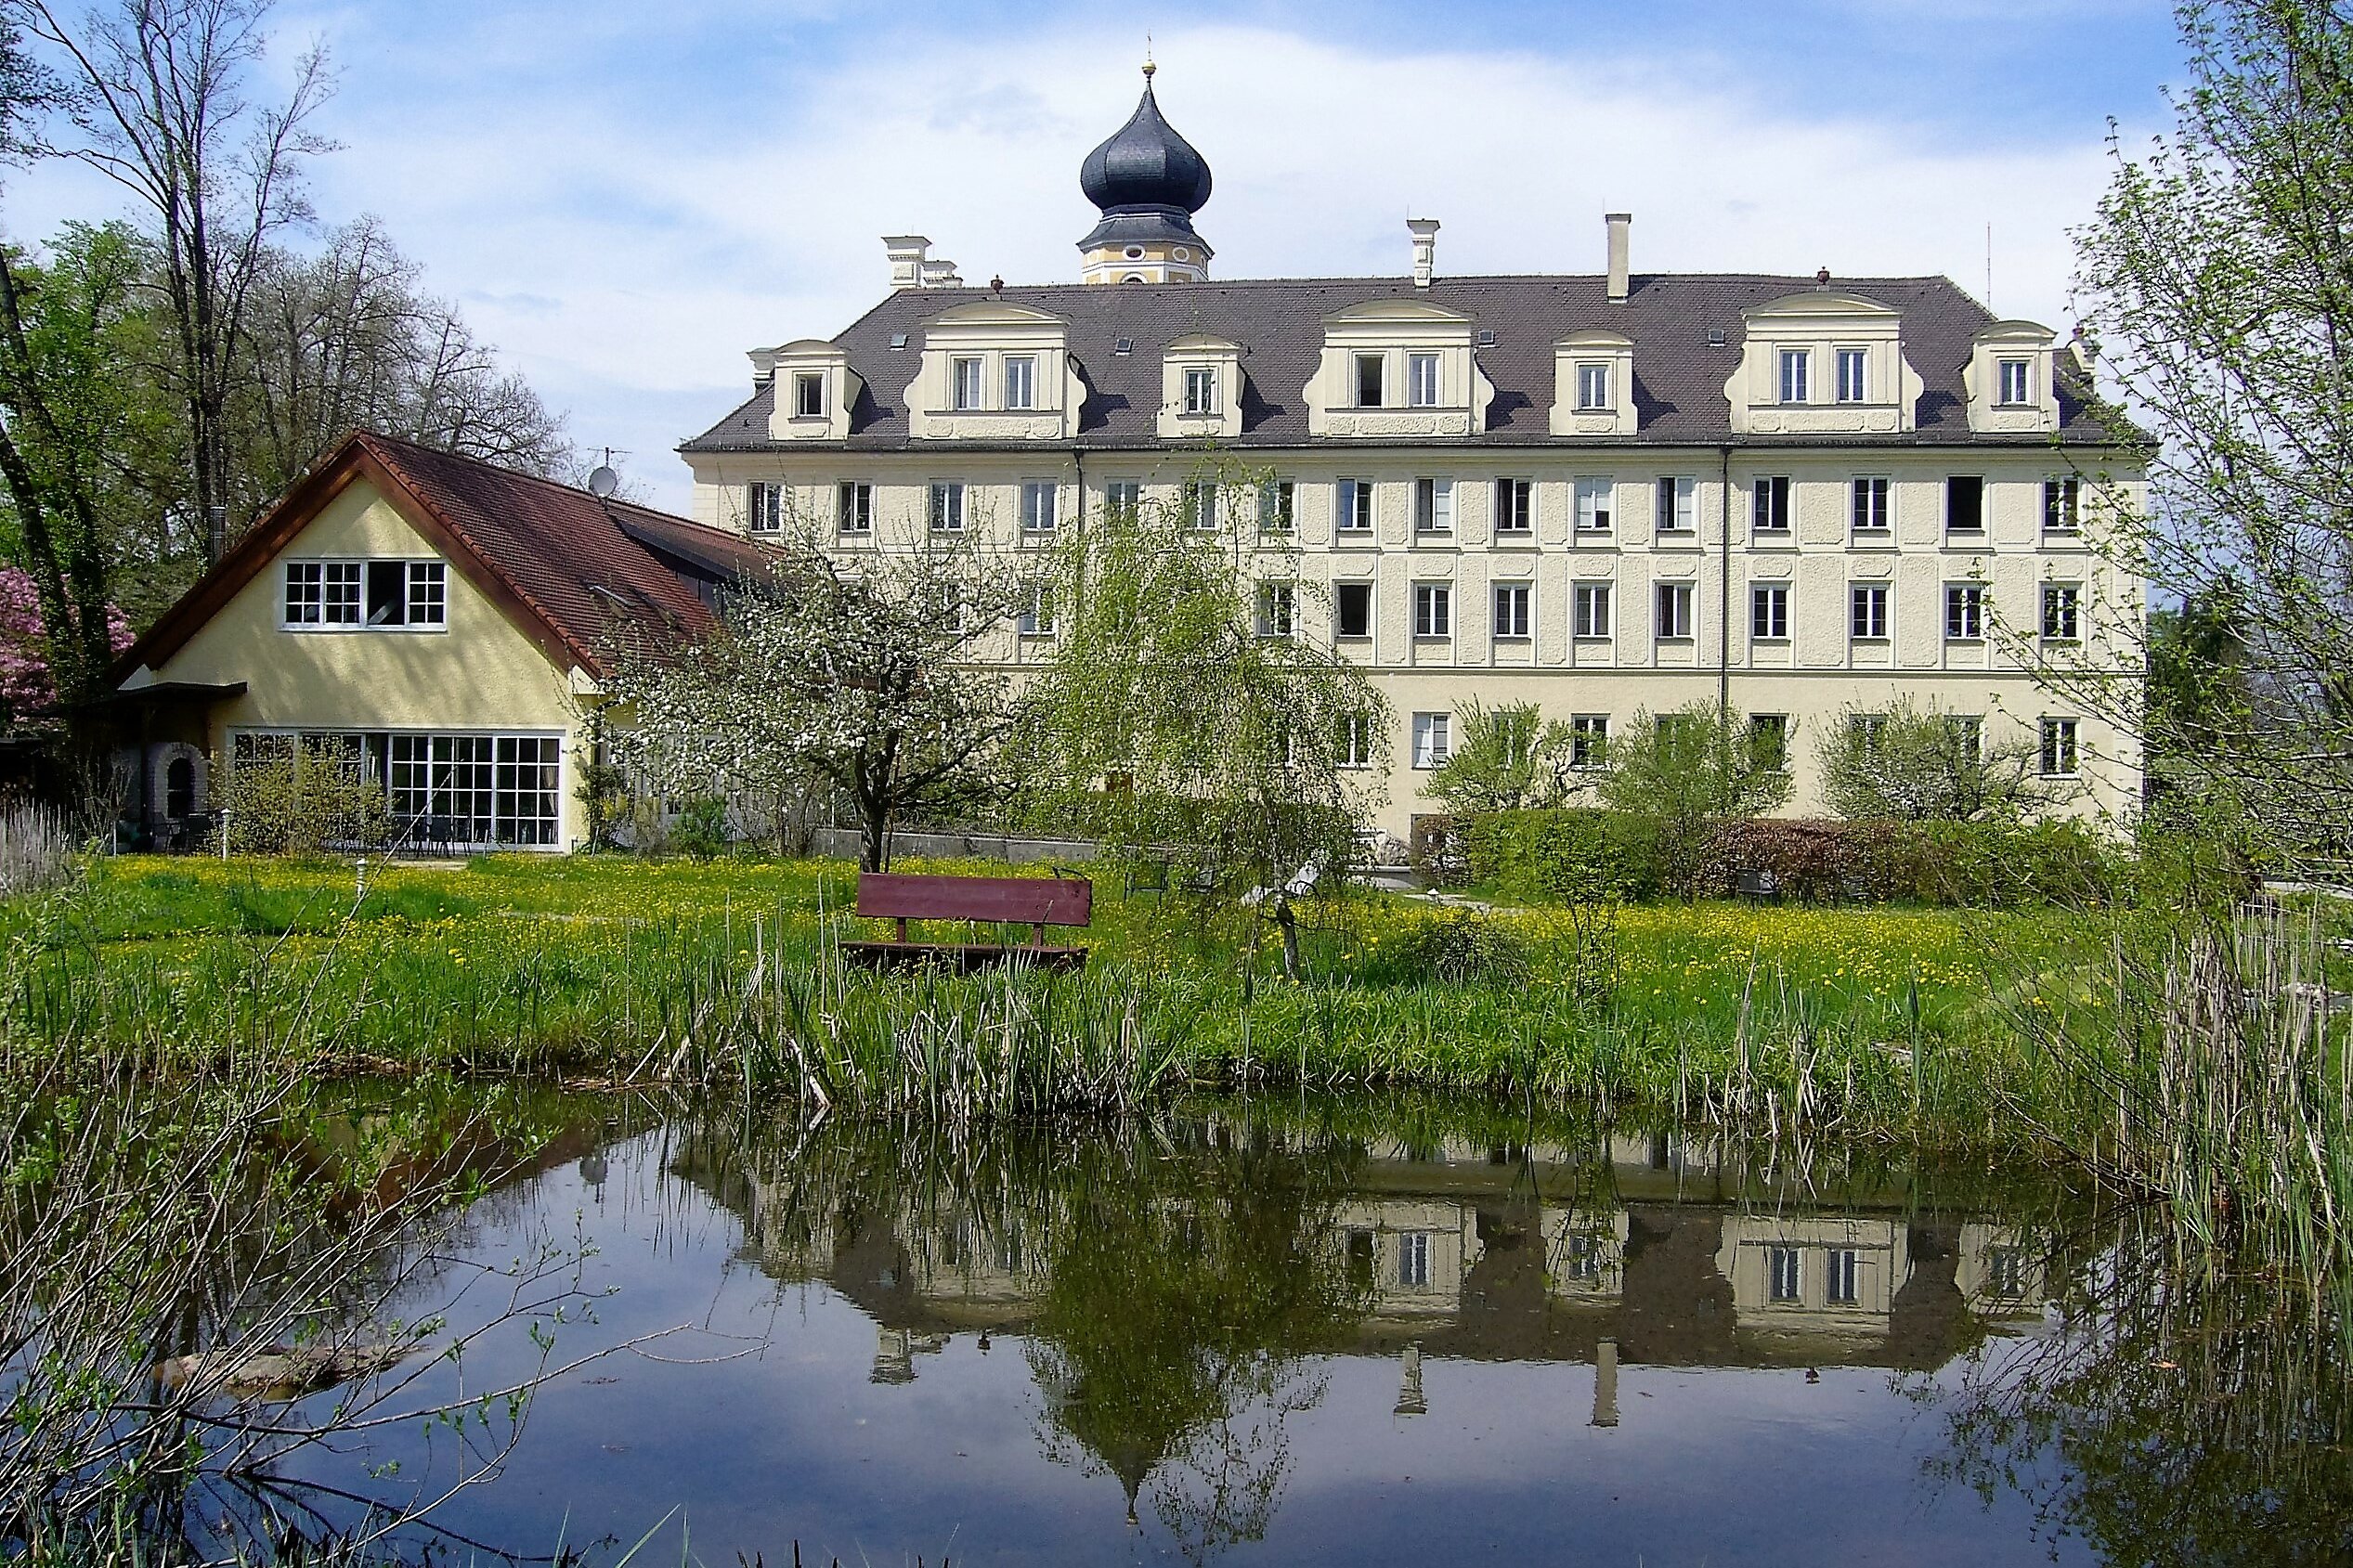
1200	389
1592	385
1769	505
1020	380
764	506
2062	501
1589	740
1036	618
1871	519
807	394
1355	740
1371	372
428	593
1964	612
1797	373
1840	1287
1122	498
1352	506
1433	739
1677	510
1965	503
1434	506
1200	505
1039	499
1413	1258
1277	506
1675	611
947	506
1589	608
853	507
1769	612
1421	379
1512	618
1596	500
322	593
476	789
1516	506
1852	387
2059	748
2016	383
1969	734
1433	610
2062	612
1867	606
969	382
1784	1276
1352	609
1278	609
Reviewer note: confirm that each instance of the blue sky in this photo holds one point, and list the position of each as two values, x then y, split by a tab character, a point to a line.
626	198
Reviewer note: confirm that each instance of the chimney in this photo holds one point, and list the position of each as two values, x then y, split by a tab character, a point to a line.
1426	249
938	273
763	367
906	253
1620	283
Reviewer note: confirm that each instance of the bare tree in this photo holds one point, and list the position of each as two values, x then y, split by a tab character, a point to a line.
161	108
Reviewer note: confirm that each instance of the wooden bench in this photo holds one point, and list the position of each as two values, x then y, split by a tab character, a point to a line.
1038	901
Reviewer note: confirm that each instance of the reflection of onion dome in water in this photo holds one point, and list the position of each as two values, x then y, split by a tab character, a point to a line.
1148	182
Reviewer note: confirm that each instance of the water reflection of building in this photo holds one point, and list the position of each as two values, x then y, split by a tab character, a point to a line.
1670	1252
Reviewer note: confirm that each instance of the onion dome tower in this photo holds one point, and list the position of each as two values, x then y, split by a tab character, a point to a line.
1148	182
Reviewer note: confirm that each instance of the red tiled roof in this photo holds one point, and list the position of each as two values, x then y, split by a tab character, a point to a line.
574	572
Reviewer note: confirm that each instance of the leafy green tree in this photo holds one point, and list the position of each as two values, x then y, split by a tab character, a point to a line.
2215	290
1192	710
1509	757
1907	763
1689	769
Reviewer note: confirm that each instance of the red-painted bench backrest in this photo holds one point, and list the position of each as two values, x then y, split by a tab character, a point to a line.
1057	900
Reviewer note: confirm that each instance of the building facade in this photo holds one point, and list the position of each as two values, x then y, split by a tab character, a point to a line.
1610	494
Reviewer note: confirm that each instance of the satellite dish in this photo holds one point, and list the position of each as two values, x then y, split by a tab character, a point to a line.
603	481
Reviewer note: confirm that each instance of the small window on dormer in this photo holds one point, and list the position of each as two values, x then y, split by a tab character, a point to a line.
969	390
1421	379
1200	389
1368	389
1796	371
1593	386
1021	381
809	395
2014	377
1853	388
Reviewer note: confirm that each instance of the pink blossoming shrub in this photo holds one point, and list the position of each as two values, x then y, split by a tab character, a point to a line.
25	686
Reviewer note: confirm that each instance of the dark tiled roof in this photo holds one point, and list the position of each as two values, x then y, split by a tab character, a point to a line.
574	572
1679	377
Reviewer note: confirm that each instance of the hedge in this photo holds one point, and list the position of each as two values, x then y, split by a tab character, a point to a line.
1590	853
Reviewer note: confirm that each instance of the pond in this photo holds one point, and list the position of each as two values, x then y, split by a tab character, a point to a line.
1327	1333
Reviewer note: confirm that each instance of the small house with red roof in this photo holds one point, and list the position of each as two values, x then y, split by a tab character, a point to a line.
442	622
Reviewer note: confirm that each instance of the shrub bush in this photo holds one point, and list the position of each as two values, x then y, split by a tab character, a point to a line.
1574	854
299	802
700	832
1462	947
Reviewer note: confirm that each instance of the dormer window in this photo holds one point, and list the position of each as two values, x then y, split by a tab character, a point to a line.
2014	388
1422	381
969	389
1593	386
1200	389
1021	381
1852	385
1368	375
809	395
1796	371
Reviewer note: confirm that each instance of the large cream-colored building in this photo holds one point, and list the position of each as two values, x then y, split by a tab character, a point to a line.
1609	493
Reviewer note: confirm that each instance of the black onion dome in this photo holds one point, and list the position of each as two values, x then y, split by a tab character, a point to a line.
1146	163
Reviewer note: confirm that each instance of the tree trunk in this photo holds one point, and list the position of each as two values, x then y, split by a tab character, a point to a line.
1288	924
